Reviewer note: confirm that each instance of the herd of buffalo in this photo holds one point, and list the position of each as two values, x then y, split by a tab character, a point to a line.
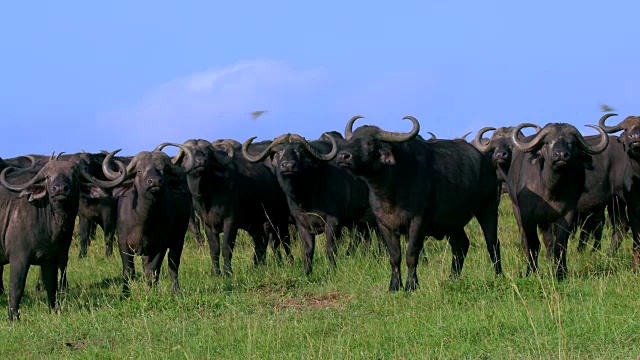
370	180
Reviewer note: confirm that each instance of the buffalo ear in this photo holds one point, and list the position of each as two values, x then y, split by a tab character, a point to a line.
123	189
92	191
35	192
587	161
386	157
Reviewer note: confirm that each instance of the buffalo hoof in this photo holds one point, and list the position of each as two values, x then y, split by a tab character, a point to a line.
411	285
14	315
394	285
82	255
561	275
308	270
108	252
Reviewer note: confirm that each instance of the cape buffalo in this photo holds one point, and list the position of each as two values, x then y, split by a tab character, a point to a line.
154	206
230	193
322	197
545	181
38	229
415	190
602	183
630	140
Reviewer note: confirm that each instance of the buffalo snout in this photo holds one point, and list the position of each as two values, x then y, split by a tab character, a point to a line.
155	182
500	155
561	155
199	161
634	137
288	166
60	189
344	156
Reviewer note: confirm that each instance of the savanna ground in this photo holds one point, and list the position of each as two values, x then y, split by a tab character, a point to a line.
277	312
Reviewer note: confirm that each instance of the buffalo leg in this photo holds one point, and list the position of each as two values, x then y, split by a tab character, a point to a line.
308	248
1	280
560	244
152	266
597	234
228	243
531	246
63	261
85	227
414	247
395	257
547	238
634	221
619	223
331	231
49	273
459	243
285	239
128	269
260	244
19	269
109	239
488	219
213	237
194	227
279	235
173	259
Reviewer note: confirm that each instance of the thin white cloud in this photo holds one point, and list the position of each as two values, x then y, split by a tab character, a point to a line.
211	103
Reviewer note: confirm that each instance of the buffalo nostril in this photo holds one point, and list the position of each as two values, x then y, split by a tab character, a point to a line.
344	156
65	189
561	155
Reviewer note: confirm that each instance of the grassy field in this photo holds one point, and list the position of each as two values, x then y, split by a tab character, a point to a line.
277	312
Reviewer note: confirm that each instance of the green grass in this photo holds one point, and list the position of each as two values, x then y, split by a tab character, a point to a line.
277	312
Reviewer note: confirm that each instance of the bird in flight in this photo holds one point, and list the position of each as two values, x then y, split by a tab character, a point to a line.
256	114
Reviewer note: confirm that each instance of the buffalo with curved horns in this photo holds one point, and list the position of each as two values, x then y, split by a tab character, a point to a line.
545	181
231	193
602	183
154	206
414	190
630	140
39	207
322	198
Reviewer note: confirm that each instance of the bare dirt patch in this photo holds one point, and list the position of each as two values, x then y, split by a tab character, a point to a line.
330	300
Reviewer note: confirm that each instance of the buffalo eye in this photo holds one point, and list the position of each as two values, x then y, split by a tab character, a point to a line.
369	143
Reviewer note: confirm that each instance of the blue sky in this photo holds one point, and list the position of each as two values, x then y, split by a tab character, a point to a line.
131	74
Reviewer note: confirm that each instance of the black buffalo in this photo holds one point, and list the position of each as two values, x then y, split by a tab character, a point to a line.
39	207
92	210
630	140
603	183
154	206
415	190
103	212
545	181
230	193
322	197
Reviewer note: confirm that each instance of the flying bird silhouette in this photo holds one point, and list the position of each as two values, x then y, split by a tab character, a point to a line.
606	108
257	114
